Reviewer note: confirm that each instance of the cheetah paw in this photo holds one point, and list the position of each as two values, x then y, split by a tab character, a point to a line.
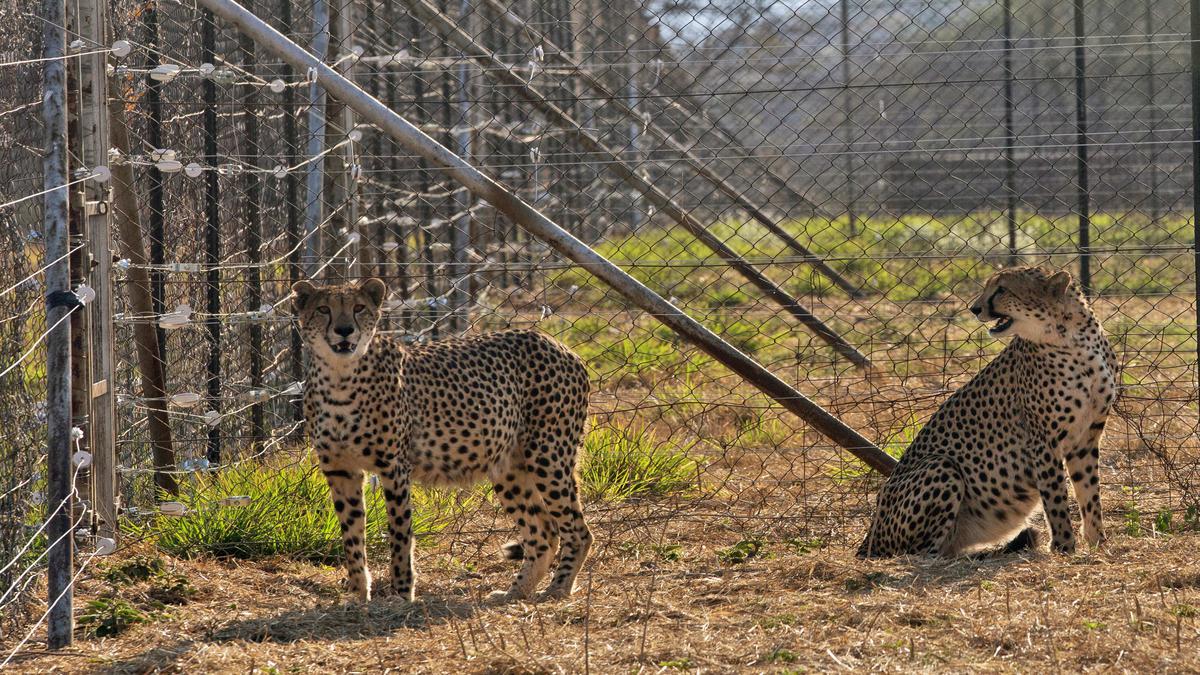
555	593
504	597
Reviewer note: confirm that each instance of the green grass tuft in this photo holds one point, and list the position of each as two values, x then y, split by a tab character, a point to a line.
620	464
741	552
290	513
105	617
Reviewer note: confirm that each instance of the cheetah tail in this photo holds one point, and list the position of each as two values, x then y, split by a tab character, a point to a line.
513	551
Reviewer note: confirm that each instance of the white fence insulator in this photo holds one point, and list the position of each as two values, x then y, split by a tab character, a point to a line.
277	86
105	546
172	509
164	72
169	166
181	317
121	49
193	170
212	418
235	500
186	399
85	293
101	174
82	459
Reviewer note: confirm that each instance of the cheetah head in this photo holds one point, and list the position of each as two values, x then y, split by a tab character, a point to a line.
338	322
1042	306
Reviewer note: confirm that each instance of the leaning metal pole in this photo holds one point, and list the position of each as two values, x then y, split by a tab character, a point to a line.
757	212
417	142
616	162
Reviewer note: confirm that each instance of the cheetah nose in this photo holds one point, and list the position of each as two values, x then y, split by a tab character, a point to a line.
344	331
976	309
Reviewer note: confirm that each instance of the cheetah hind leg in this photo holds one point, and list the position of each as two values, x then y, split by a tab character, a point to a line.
918	512
520	499
562	500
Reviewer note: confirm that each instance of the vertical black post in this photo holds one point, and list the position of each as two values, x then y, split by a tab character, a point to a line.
1195	33
846	122
422	243
59	506
155	194
212	233
253	211
461	201
1010	162
1081	148
291	197
1151	110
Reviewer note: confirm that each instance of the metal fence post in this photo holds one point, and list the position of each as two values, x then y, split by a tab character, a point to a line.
346	182
314	172
1151	111
252	190
59	504
94	141
1081	149
1010	162
460	234
1194	11
212	235
847	121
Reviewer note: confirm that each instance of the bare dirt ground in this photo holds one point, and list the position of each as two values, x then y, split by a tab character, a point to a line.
791	607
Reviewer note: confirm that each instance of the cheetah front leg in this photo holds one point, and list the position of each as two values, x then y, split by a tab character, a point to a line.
397	489
345	487
1084	466
1052	486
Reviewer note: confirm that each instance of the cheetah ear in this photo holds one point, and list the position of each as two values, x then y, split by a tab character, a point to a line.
375	289
302	292
1059	282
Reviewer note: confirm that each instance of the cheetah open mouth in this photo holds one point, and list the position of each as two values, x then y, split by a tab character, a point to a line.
1002	324
343	347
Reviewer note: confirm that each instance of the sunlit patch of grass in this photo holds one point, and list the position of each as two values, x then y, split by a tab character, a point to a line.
620	464
289	513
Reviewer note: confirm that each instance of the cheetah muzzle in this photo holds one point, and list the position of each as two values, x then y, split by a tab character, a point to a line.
1006	444
507	407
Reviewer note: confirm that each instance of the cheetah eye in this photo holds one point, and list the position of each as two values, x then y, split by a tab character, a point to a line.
359	308
323	309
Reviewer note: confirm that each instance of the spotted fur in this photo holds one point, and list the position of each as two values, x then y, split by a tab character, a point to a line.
995	452
509	407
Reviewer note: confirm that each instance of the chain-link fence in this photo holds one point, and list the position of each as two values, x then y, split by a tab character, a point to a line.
823	184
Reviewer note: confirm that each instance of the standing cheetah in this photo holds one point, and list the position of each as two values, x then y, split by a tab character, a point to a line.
509	407
994	452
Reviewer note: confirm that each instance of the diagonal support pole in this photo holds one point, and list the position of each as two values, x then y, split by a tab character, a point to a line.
442	24
414	140
553	51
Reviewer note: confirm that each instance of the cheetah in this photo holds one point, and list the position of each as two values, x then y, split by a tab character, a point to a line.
508	406
979	470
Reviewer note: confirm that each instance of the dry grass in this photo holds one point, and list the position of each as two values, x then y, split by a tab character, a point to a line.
673	605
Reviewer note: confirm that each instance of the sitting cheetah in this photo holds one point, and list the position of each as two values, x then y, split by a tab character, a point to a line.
508	406
994	452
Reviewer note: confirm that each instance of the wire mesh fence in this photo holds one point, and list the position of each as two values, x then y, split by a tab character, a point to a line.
823	184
